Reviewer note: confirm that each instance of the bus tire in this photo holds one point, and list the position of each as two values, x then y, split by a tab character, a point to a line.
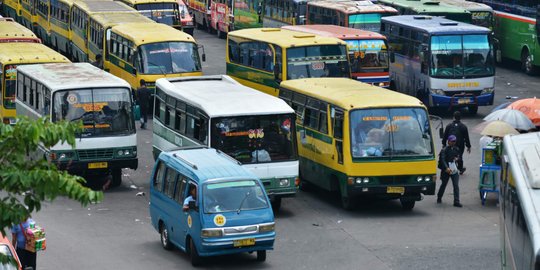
527	63
347	202
407	205
261	255
276	204
116	177
473	109
164	236
194	254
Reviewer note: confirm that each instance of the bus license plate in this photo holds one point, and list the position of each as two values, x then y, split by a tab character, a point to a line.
97	165
244	242
400	190
464	101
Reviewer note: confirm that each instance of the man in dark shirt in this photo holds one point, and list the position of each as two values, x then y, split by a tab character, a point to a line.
458	129
143	94
449	156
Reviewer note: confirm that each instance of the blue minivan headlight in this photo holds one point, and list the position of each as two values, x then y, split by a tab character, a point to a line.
211	233
270	227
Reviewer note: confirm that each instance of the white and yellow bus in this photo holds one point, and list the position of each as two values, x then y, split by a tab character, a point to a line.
263	57
362	140
81	92
161	11
27	53
60	31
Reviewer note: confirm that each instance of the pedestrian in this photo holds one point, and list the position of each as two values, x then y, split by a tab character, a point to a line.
449	157
458	129
99	61
143	94
18	239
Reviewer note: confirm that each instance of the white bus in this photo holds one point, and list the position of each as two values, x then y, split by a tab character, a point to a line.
82	92
519	202
443	63
256	129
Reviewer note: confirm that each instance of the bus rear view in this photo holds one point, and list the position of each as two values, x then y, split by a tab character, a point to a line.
444	63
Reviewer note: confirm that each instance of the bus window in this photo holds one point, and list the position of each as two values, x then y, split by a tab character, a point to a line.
317	61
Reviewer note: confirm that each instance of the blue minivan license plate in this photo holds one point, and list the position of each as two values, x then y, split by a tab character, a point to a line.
244	242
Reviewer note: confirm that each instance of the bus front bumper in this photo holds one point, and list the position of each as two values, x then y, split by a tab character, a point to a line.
280	187
226	245
392	192
461	99
98	167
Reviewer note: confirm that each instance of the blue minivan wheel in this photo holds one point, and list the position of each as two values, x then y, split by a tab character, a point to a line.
261	255
193	254
164	233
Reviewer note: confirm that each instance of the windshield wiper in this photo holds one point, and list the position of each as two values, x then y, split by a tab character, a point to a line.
242	203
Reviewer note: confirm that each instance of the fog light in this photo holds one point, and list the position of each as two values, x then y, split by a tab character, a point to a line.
381	84
437	92
365	189
424	188
284	182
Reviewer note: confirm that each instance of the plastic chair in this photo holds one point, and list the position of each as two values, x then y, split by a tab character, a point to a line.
488	181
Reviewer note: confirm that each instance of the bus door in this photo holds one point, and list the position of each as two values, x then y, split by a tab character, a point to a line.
336	116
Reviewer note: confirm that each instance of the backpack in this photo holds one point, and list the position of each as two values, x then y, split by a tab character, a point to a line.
440	163
454	129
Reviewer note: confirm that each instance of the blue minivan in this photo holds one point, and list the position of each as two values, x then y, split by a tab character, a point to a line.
205	203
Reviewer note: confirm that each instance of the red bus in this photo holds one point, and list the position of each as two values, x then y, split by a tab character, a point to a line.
368	51
354	14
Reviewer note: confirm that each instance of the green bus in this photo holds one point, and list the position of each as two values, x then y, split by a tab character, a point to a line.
518	31
429	7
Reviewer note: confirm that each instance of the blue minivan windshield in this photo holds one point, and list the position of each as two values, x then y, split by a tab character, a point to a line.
235	195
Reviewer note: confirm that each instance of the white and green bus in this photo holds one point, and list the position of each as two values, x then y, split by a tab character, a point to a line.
256	129
519	201
81	92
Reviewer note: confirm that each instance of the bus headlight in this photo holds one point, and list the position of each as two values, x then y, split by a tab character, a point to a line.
419	179
284	182
439	92
126	152
488	90
365	180
62	156
211	233
358	180
270	227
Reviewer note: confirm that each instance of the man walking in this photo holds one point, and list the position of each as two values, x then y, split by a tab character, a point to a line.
449	157
460	131
143	94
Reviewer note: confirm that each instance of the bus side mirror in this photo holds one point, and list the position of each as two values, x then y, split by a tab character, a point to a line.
392	57
204	57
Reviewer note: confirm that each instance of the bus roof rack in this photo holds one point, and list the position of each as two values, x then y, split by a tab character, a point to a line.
531	159
229	157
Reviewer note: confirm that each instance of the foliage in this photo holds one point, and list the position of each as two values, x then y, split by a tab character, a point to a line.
27	179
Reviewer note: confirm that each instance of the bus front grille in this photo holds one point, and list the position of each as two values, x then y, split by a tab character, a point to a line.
392	180
95	154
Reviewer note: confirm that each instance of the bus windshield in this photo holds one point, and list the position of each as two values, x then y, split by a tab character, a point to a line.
166	13
169	57
366	21
387	133
236	195
482	18
317	61
461	56
368	55
255	139
10	76
103	111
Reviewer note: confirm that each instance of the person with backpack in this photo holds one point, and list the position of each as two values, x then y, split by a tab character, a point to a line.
18	239
448	158
460	131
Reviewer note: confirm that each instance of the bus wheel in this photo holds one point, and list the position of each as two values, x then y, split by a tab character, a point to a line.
164	233
527	63
193	254
407	205
276	204
116	177
220	34
261	255
473	109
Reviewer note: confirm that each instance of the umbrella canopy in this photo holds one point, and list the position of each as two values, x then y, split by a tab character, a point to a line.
498	128
515	118
501	106
530	107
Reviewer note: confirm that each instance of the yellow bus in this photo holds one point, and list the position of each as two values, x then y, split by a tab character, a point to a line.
101	23
80	15
10	8
60	33
261	58
161	11
27	13
362	140
11	31
150	51
11	56
42	27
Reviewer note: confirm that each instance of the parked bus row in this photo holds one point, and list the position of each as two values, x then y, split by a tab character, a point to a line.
130	45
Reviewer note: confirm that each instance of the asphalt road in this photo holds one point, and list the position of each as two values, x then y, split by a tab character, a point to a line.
313	231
